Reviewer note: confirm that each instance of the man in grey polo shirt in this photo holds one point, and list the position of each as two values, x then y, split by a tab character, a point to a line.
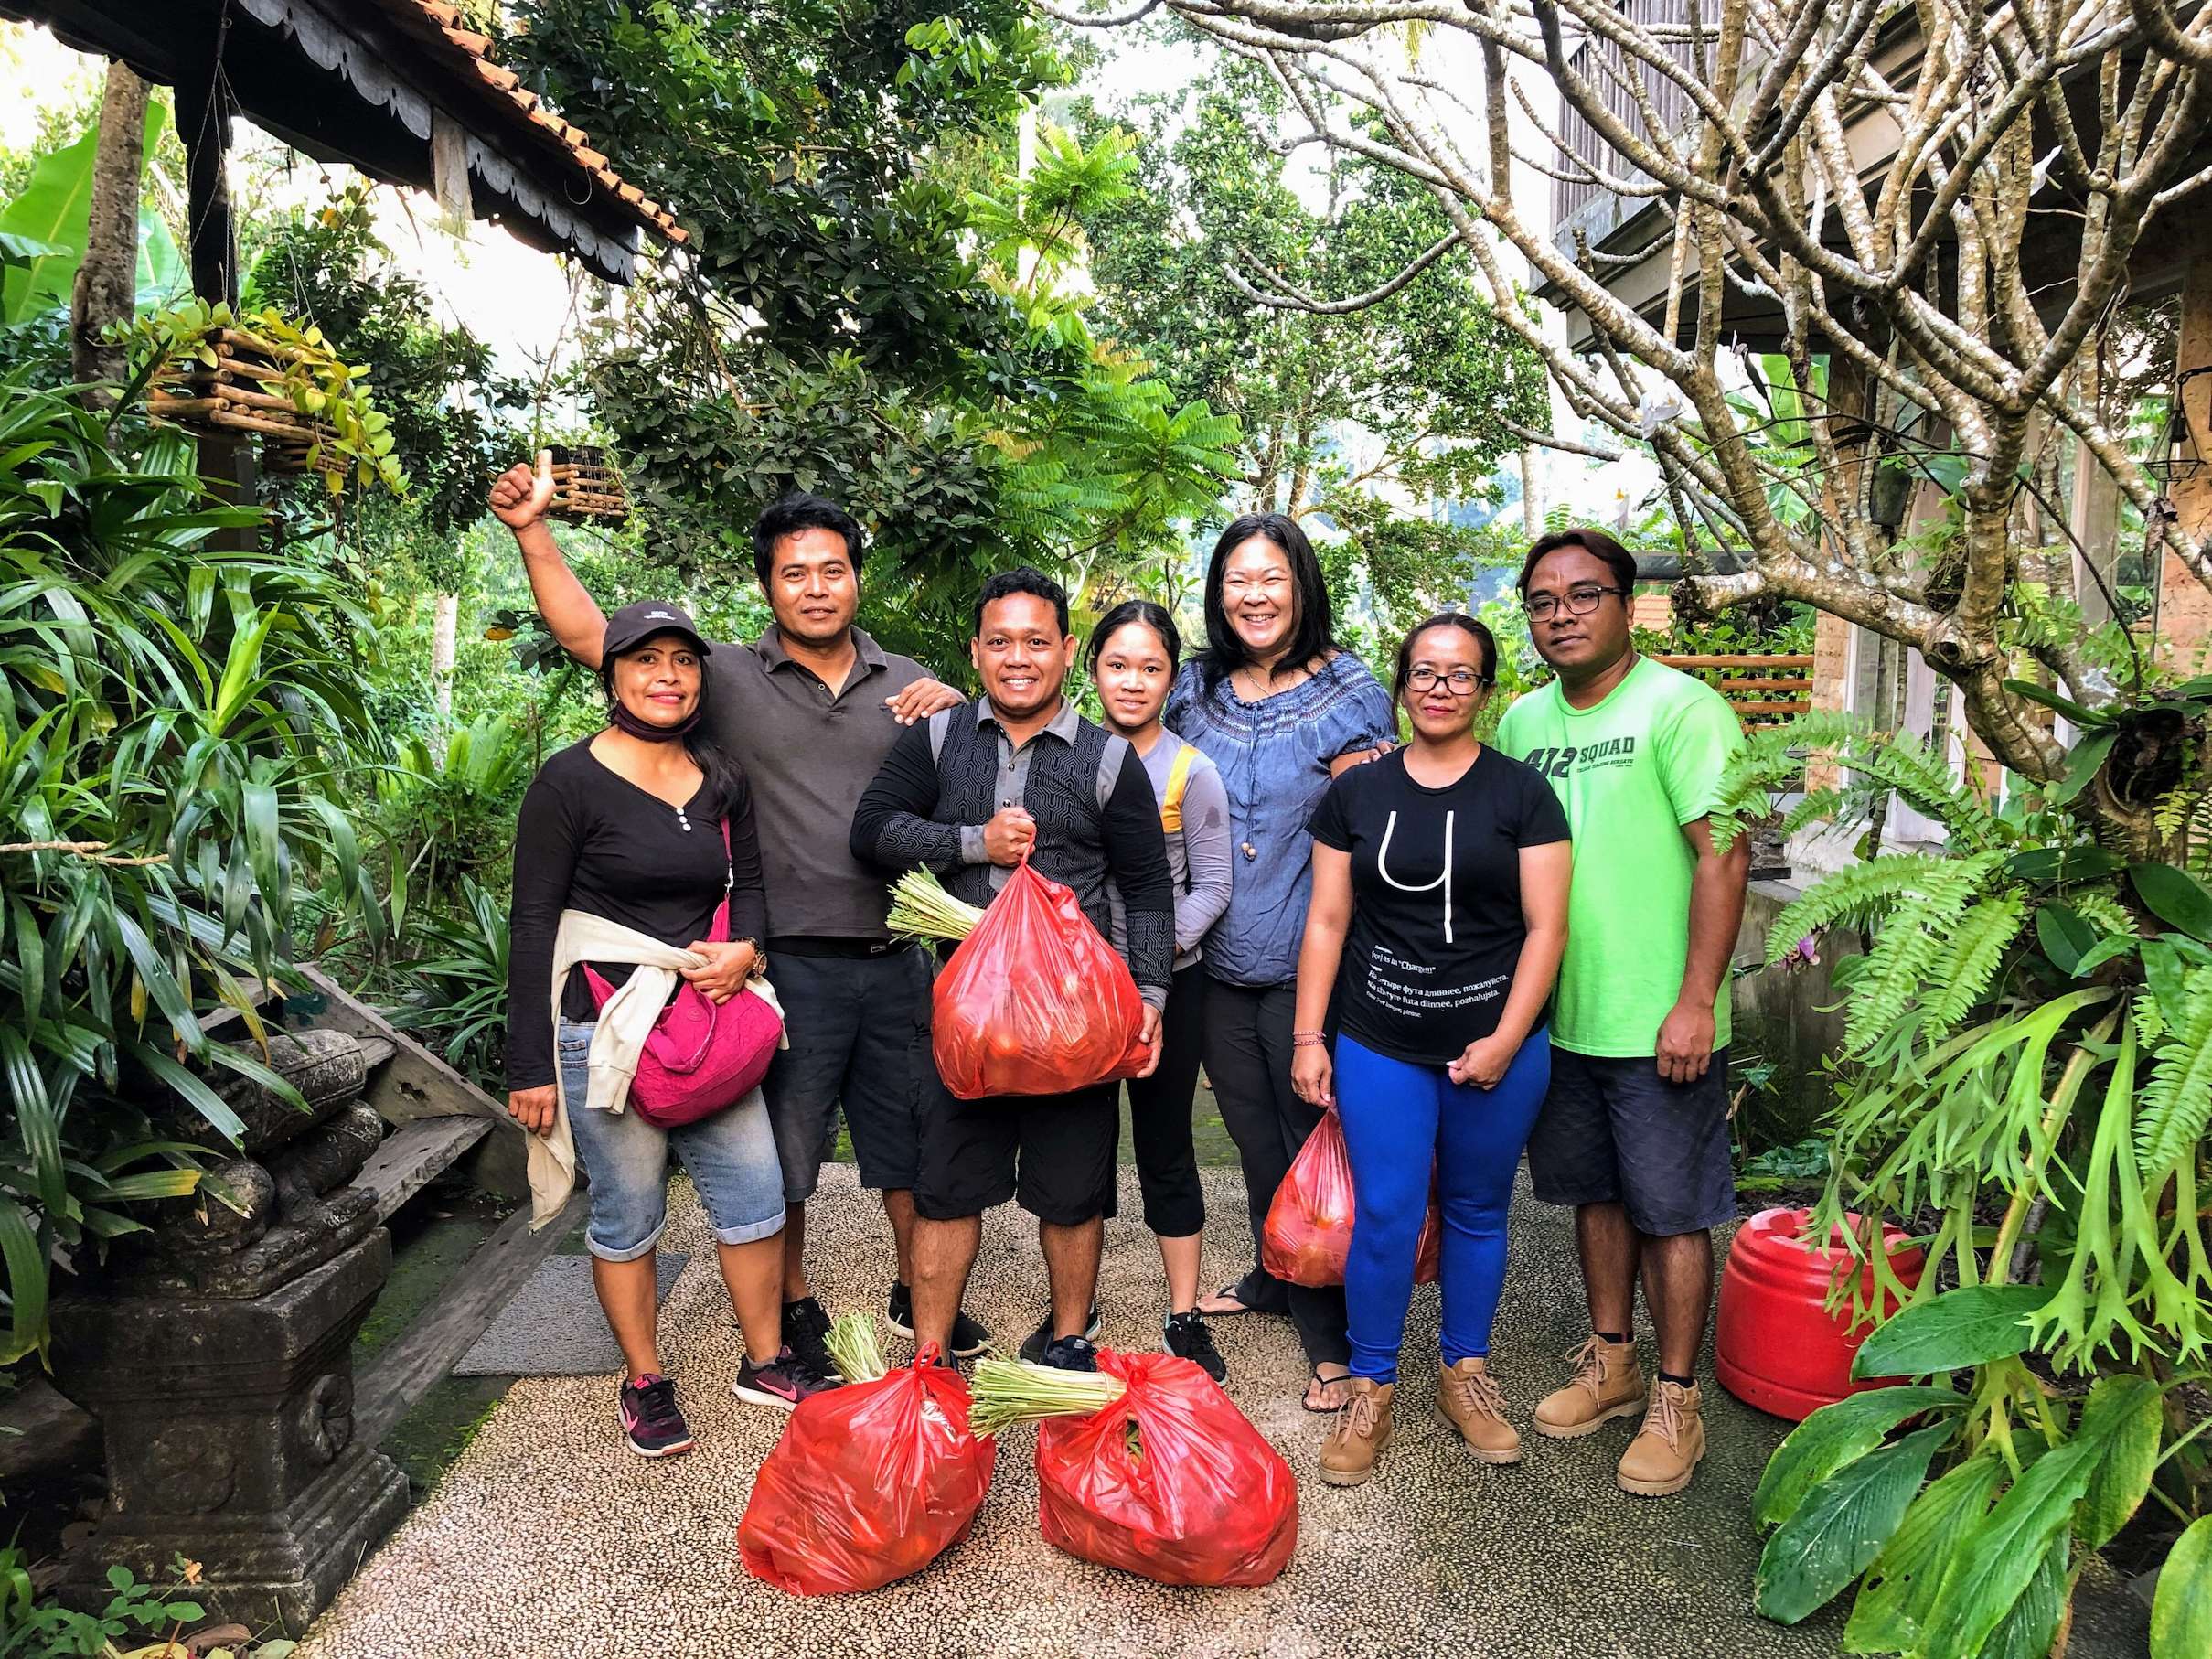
810	710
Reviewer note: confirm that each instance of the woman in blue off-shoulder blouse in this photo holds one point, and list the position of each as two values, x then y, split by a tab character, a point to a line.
1279	709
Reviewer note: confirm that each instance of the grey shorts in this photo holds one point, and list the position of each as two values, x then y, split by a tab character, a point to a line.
858	1028
1615	1131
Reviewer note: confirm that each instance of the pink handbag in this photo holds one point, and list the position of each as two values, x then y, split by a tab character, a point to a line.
701	1057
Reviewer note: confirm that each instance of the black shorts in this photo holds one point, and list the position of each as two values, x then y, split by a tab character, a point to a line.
1052	1153
859	1029
1615	1131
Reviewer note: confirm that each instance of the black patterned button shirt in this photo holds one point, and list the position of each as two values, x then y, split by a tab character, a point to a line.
1097	820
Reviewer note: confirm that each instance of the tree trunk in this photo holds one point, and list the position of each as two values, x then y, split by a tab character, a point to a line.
106	288
1532	510
441	652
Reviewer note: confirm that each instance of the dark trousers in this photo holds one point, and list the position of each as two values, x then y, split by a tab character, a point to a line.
1160	1115
1247	1054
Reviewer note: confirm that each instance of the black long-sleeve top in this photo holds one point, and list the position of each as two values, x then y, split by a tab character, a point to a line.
588	839
1097	821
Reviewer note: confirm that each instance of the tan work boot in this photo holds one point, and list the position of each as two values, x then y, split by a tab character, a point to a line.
1362	1429
1471	1399
1609	1382
1660	1460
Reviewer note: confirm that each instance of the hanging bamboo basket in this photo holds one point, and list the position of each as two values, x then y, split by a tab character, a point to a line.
586	488
241	392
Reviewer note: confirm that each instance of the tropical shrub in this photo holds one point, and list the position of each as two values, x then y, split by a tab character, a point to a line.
2025	1080
166	749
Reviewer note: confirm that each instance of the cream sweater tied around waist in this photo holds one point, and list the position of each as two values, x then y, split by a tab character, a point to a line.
625	1021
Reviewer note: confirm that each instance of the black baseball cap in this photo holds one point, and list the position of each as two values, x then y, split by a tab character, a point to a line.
632	625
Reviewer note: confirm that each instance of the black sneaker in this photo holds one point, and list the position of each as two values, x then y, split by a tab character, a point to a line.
1070	1354
807	1334
969	1339
782	1383
650	1421
1032	1350
1187	1338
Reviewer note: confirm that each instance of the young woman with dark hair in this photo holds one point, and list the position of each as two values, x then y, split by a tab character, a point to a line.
1279	709
1438	918
622	840
1134	652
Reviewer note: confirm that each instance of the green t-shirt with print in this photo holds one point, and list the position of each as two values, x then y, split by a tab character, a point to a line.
1630	772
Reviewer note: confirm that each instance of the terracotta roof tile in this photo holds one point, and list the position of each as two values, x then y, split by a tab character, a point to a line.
441	26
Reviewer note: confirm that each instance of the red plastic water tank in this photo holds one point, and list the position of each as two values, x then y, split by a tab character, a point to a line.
1777	1346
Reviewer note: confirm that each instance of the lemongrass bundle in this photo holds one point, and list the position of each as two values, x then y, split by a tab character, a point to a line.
852	1345
1007	1391
922	909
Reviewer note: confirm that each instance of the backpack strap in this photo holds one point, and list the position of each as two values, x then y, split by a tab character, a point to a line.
1178	780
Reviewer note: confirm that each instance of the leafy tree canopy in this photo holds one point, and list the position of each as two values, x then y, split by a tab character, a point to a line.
1428	373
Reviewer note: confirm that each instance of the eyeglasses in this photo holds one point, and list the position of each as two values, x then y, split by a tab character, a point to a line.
1462	681
1578	601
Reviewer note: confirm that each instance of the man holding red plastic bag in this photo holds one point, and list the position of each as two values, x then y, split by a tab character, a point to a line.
1018	777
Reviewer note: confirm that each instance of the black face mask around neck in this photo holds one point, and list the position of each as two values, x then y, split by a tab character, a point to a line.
623	720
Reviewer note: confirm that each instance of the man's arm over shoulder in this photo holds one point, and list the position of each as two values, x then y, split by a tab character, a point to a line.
892	826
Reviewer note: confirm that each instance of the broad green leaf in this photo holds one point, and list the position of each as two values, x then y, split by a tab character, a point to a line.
1999	1558
191	1088
152	1183
2080	766
25	1258
2181	1612
2025	1632
2124	1414
2066	939
2087	719
2174	897
1841	1527
55	208
1969	1326
1834	1435
1901	1587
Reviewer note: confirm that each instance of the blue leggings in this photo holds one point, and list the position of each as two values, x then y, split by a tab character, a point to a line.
1395	1115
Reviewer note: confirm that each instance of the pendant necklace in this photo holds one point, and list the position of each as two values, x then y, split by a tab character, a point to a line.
1251	768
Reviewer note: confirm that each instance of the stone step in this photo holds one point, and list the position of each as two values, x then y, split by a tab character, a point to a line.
415	1154
433	1345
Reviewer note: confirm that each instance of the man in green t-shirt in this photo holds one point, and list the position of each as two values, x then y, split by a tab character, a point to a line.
1634	1132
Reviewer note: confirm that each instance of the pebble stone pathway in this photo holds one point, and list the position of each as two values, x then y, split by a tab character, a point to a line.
548	1537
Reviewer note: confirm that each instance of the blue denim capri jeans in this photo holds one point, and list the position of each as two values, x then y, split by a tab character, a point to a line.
731	1158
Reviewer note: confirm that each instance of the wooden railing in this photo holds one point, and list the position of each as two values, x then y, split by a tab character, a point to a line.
1763	691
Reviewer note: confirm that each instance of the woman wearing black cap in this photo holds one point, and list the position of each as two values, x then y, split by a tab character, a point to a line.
628	828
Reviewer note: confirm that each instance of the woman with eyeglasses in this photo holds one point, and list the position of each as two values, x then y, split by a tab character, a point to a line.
1439	917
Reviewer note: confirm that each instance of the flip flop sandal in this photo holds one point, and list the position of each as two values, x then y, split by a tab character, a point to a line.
1326	1382
1228	1292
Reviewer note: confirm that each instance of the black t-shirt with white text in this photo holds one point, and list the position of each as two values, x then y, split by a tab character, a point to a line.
1436	898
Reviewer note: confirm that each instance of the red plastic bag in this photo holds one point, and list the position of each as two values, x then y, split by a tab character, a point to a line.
1309	1230
871	1482
1194	1496
1033	1002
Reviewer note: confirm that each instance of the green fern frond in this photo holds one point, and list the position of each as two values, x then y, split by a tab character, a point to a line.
1853	897
1977	946
1873	763
1911	960
2175	1107
2104	912
1818	806
2149	1024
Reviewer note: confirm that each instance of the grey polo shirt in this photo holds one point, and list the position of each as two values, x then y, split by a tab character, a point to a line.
809	752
